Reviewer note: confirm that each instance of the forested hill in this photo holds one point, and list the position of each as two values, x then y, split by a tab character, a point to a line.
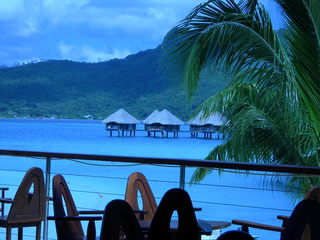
66	89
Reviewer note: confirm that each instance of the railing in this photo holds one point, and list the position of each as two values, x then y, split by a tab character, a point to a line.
183	163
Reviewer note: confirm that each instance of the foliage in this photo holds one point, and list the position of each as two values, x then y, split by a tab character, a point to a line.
273	102
65	89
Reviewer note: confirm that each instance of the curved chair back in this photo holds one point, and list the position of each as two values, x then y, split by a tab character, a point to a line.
313	194
307	212
235	235
28	203
174	200
66	230
118	216
138	182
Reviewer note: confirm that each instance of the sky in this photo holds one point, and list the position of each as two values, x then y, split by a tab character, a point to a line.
85	30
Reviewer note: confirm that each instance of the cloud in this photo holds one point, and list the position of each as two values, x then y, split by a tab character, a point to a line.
54	4
93	29
29	27
90	54
10	9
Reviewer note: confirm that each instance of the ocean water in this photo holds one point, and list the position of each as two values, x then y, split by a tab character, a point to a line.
222	196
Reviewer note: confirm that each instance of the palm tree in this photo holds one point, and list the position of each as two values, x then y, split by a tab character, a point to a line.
273	101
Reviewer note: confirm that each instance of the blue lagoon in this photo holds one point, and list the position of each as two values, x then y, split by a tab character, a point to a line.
222	196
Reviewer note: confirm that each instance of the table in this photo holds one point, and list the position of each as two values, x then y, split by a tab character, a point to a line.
206	226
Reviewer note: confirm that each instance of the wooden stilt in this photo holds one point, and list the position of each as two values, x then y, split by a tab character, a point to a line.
8	233
20	233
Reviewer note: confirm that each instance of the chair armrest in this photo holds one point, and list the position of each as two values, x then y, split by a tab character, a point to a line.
6	200
91	230
91	212
197	209
284	219
75	218
245	226
4	189
141	213
48	198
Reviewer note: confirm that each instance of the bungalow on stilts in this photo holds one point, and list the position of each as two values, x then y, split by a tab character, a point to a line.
122	122
208	126
162	122
149	120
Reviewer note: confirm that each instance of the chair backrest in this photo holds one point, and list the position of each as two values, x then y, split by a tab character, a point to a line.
235	235
306	212
62	198
138	182
119	219
313	194
28	203
174	200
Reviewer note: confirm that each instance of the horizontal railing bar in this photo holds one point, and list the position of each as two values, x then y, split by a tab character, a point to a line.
158	181
169	161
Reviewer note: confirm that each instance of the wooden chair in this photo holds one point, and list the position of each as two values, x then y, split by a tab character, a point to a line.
175	199
27	207
3	193
306	213
68	225
119	220
138	182
312	194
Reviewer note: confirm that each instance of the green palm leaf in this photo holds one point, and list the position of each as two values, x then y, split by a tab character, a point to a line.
273	102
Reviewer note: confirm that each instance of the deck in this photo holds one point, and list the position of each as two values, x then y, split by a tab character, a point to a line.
50	159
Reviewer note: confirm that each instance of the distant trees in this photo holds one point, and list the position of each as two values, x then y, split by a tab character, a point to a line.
71	89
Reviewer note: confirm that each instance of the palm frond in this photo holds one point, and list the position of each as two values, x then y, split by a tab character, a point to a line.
272	104
303	26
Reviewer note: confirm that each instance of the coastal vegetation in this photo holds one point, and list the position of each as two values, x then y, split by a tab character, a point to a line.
65	89
272	103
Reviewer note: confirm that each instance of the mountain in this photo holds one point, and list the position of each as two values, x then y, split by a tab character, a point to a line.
139	83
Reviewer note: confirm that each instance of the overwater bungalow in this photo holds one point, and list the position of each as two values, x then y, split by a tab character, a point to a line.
162	122
150	119
121	121
208	126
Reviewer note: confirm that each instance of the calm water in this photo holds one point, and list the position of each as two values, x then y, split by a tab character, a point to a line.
223	196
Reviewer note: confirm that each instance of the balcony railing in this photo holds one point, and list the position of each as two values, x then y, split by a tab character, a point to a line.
181	163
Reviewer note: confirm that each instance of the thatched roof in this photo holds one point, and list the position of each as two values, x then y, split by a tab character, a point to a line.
164	117
151	116
215	119
121	117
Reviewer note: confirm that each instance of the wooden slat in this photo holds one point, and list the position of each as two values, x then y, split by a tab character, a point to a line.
91	212
247	224
205	226
6	200
283	217
75	218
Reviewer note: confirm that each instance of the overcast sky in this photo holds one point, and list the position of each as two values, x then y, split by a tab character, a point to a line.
85	30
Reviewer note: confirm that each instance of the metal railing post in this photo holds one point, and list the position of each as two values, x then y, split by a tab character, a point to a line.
182	176
47	182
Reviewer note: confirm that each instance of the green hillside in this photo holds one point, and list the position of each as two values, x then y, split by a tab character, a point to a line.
66	89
